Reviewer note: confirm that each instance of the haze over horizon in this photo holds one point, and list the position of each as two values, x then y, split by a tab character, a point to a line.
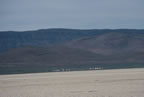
22	15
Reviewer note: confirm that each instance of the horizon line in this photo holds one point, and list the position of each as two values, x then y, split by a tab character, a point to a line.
72	29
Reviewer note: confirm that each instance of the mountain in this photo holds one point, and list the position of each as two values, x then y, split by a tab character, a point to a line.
51	49
54	55
111	43
44	37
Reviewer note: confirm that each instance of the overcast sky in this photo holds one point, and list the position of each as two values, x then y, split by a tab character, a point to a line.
22	15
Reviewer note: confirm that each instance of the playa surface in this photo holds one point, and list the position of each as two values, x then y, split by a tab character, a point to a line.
96	83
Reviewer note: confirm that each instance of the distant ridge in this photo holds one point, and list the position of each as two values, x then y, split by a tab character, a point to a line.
50	49
14	39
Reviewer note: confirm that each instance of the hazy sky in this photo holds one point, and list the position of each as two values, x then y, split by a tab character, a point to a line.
79	14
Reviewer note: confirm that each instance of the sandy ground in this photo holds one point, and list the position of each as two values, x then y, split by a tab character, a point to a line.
100	83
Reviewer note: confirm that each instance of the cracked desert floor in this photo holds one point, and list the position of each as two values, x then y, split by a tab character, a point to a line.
98	83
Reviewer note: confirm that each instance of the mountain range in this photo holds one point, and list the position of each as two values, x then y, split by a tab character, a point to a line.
51	49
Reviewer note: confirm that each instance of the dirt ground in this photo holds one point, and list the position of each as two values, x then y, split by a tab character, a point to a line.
96	83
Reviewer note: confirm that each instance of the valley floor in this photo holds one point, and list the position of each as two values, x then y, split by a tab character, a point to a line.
96	83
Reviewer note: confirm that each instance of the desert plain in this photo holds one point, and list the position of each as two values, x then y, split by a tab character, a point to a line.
94	83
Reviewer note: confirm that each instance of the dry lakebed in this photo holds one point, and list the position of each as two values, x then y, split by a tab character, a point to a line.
95	83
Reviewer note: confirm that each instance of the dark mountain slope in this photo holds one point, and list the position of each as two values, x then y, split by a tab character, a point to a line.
57	55
48	50
43	59
14	39
111	43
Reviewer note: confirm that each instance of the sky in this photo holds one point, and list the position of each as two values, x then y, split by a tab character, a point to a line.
22	15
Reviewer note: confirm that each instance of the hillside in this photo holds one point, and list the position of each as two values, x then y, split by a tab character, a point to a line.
111	43
48	50
44	37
